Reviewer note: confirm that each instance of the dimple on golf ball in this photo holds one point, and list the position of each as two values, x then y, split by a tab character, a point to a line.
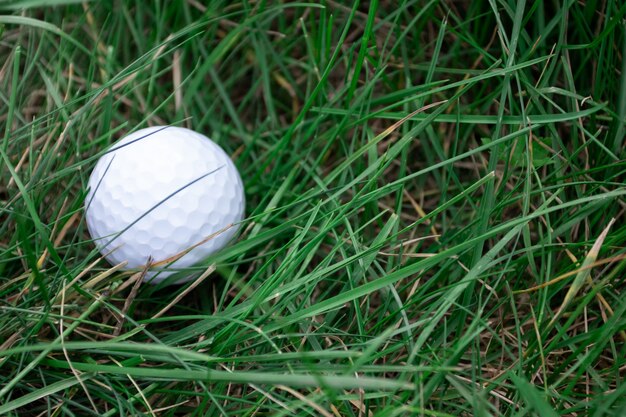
165	195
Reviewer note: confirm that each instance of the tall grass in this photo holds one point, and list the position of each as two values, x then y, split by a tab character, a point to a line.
435	218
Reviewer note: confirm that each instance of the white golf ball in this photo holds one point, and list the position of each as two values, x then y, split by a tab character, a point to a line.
165	194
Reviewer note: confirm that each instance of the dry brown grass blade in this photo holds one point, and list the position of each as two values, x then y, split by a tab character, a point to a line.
409	116
409	255
10	341
57	241
138	279
570	273
305	400
102	276
177	80
421	213
197	282
130	281
139	390
584	273
67	356
186	251
282	81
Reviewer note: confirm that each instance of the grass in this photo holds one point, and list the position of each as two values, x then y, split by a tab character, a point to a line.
435	220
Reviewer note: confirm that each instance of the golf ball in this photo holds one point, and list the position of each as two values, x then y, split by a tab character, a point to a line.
165	195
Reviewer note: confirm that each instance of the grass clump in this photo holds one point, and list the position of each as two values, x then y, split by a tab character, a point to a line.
435	218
